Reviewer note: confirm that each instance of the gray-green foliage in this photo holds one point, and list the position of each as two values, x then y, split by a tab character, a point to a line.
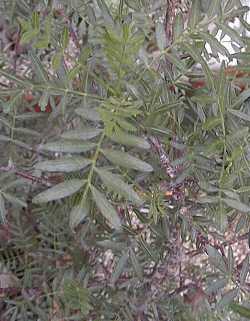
91	172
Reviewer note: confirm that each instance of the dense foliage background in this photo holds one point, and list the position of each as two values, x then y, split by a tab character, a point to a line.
124	165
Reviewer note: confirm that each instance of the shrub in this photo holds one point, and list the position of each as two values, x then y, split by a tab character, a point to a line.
125	161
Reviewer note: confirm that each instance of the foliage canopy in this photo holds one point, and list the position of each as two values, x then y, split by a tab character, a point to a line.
124	187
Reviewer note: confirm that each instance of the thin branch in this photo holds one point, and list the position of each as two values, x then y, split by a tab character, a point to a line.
30	177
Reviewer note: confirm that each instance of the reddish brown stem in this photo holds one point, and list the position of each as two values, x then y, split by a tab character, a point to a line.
27	176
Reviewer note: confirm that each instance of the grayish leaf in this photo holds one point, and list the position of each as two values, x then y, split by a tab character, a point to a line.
194	14
236	205
177	62
84	134
244	270
215	43
88	113
216	258
130	140
178	25
105	12
216	285
106	208
74	146
39	70
14	200
136	265
227	298
239	114
59	191
66	165
119	269
126	160
2	210
198	58
115	183
160	33
77	215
